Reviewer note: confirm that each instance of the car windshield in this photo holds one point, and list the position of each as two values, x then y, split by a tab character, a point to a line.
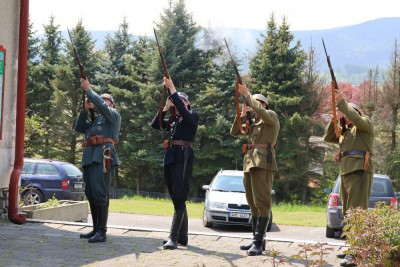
71	170
229	184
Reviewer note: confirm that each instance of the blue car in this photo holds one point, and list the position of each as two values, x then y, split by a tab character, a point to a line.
43	179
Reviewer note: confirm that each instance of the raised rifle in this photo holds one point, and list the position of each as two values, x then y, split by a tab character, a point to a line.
82	73
244	130
334	86
164	88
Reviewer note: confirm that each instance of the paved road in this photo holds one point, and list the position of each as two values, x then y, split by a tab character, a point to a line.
278	232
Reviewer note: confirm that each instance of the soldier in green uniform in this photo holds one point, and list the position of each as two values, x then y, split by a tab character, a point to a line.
356	146
259	164
99	156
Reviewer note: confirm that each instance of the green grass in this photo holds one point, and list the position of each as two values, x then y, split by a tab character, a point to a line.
283	214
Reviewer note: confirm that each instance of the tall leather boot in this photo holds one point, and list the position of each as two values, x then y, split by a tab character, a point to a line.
258	241
172	243
183	231
93	212
100	235
254	223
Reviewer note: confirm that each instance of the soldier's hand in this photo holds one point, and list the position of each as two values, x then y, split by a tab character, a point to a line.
168	105
245	109
85	84
88	105
243	89
169	84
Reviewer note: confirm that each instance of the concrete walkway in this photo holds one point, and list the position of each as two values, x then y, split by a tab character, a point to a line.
42	243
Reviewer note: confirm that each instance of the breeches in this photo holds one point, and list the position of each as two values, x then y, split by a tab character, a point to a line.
177	184
97	183
258	186
355	189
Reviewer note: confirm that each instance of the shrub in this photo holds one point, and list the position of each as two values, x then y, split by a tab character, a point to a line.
373	235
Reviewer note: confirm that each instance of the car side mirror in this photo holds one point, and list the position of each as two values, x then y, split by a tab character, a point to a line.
397	195
205	187
327	190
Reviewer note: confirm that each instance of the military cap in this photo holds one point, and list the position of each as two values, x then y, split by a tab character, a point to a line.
184	96
108	96
261	98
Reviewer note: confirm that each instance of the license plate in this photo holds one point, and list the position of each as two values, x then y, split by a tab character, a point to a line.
239	215
78	186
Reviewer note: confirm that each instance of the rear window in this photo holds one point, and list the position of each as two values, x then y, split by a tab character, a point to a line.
46	169
229	183
380	187
71	170
28	168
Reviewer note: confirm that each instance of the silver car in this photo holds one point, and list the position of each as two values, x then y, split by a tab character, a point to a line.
226	201
381	191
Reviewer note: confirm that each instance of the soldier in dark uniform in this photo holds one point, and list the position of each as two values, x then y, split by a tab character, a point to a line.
99	156
259	164
356	146
178	159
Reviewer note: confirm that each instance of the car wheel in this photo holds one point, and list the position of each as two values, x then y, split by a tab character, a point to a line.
32	197
330	232
206	223
270	221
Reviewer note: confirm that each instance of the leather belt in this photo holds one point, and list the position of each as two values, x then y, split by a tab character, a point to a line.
245	147
352	152
251	146
98	140
169	143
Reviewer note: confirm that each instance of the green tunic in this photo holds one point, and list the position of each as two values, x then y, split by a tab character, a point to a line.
258	173
355	183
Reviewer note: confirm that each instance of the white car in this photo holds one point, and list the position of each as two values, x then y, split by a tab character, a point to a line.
226	201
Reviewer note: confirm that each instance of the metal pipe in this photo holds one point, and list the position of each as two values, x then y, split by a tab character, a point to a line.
13	212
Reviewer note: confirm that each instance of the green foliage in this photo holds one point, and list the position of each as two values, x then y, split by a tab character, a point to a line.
51	203
373	235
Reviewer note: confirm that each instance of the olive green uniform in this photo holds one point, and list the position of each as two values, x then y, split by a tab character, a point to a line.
258	171
356	183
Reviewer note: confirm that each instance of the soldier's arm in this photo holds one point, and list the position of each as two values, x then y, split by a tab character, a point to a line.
235	131
82	123
362	123
268	116
156	125
330	135
187	115
110	114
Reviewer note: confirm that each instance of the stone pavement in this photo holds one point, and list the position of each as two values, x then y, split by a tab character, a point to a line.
58	244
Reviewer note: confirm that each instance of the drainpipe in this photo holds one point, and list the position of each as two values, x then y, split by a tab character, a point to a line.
13	212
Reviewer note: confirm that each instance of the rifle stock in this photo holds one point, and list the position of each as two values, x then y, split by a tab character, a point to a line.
243	130
334	86
82	73
164	88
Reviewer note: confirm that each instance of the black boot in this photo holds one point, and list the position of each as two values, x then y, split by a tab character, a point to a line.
100	235
258	241
183	231
93	211
172	243
254	223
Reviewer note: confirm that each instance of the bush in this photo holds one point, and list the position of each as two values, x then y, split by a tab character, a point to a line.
373	235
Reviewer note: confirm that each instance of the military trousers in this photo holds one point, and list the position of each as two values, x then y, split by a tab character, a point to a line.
178	184
355	190
258	186
97	183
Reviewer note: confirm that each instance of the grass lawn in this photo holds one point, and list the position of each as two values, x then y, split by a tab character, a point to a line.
284	214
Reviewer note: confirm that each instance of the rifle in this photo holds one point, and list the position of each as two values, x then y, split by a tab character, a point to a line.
334	86
239	79
164	88
82	73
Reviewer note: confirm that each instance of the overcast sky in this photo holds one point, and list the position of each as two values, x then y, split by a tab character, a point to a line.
251	14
